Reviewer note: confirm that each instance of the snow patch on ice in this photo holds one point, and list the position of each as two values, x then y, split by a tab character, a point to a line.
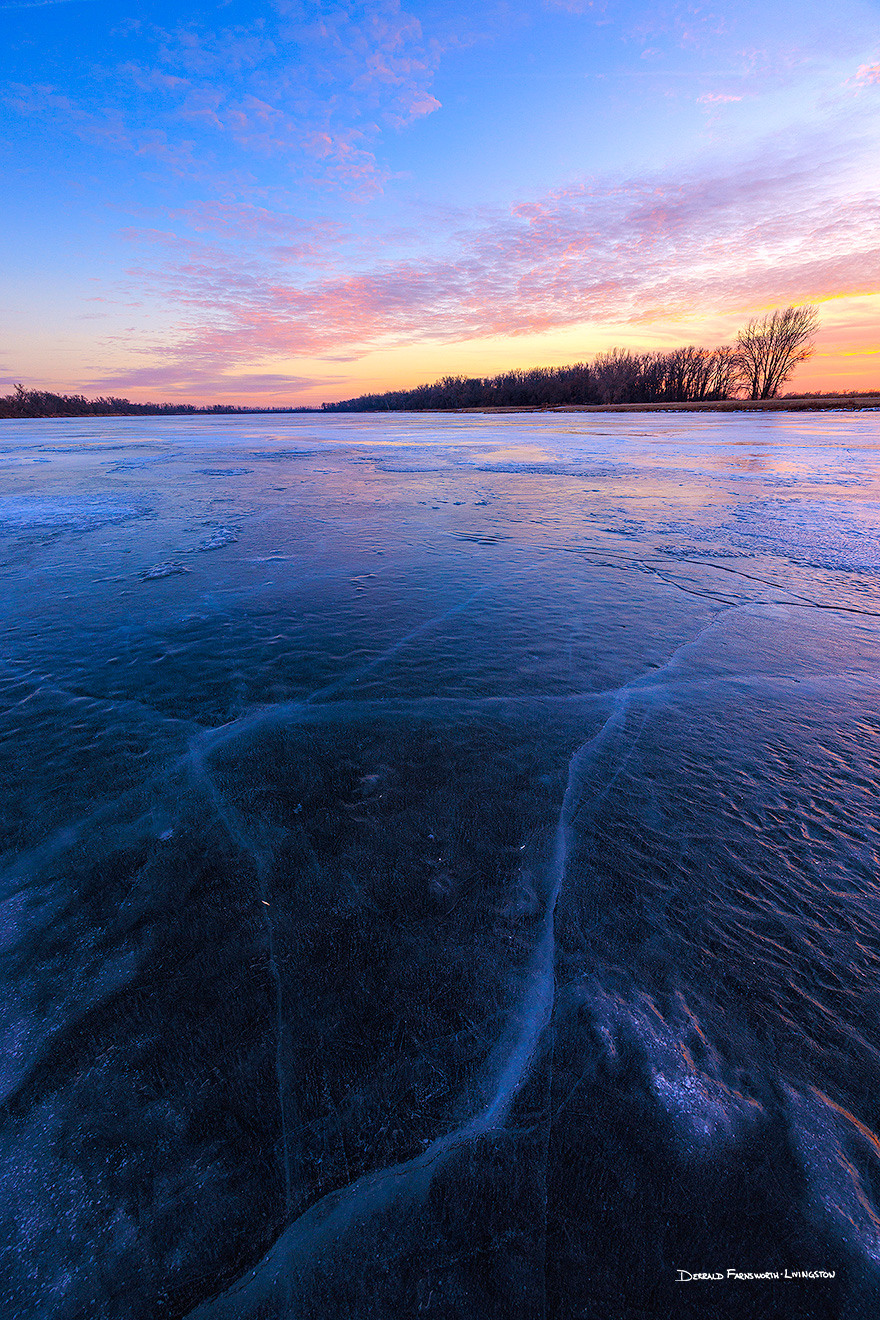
218	538
82	514
169	569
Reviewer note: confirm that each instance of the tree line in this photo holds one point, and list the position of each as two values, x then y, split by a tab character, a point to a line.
765	354
41	403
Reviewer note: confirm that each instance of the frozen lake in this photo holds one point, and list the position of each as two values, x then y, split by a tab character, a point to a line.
440	866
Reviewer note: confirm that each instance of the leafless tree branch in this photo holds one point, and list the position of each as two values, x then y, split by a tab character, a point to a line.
770	347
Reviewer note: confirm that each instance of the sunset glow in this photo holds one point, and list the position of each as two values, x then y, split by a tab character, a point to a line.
297	202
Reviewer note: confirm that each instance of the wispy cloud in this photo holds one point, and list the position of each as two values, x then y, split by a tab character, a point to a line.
187	378
40	4
687	23
313	88
107	127
779	227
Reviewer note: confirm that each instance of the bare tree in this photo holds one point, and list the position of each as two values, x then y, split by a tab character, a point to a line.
770	347
723	372
618	376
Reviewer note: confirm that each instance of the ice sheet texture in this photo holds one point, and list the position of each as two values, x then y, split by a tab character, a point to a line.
440	866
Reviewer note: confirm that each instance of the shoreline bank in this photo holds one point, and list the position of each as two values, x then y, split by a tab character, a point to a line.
843	402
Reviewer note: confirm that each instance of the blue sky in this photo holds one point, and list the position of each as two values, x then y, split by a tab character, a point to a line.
298	201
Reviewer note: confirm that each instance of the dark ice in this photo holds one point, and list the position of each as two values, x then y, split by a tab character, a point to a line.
440	867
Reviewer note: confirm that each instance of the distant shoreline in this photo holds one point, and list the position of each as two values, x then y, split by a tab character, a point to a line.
158	415
796	403
824	403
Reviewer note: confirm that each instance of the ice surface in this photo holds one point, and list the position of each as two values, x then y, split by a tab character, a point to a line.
168	569
418	905
85	514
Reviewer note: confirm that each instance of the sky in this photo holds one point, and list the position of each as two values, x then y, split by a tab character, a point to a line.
286	202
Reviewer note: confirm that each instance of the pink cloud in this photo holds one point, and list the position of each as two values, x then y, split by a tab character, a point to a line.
716	98
152	80
776	230
277	232
304	95
105	127
185	379
311	89
686	23
867	74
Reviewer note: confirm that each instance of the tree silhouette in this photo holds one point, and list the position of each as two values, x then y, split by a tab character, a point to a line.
42	403
770	347
766	352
